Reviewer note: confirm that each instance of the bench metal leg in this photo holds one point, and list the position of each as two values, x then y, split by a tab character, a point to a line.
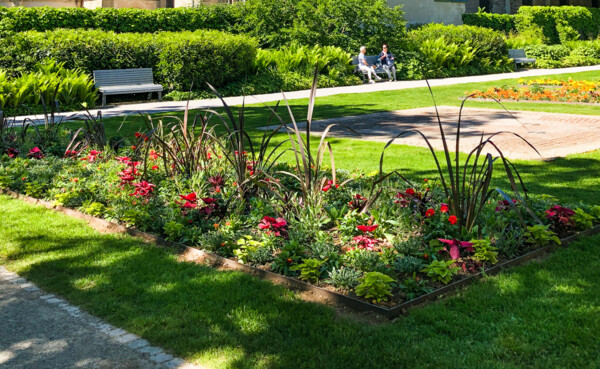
103	100
159	96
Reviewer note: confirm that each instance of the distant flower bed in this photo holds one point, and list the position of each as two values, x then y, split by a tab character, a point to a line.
545	90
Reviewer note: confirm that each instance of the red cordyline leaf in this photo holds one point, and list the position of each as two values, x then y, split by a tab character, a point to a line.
366	229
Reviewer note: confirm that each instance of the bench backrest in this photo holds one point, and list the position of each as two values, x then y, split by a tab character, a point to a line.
371	59
123	77
516	53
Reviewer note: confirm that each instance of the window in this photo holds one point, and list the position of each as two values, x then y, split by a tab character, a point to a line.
170	4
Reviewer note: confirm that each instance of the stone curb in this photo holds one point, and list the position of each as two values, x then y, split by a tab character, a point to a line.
118	335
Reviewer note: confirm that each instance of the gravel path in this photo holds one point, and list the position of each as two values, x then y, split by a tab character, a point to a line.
42	331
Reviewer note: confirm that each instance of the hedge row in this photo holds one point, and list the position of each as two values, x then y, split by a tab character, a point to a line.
275	23
573	54
557	23
216	17
178	59
498	22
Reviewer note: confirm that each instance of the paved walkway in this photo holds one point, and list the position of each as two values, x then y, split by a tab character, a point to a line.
552	134
41	331
159	107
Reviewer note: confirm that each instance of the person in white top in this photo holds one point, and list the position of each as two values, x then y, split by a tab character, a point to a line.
364	66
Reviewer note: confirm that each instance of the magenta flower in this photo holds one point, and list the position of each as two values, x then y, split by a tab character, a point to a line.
36	153
455	246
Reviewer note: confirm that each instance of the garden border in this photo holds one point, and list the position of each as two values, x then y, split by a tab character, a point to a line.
188	253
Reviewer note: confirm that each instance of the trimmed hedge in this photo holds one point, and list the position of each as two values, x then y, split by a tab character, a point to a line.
178	59
560	23
217	17
498	22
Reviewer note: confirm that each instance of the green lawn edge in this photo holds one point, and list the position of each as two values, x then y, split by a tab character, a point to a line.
544	314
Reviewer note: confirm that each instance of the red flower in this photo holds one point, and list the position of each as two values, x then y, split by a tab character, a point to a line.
444	208
91	157
36	153
12	153
153	155
155	167
410	191
191	197
455	246
70	154
366	229
276	225
452	219
429	213
137	135
143	189
123	159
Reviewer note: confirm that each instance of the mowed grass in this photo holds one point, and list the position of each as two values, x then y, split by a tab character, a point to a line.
541	315
571	179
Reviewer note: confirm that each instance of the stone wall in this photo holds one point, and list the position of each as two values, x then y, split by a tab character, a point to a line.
431	11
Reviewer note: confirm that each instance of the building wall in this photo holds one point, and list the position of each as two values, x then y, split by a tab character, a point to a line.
431	11
52	3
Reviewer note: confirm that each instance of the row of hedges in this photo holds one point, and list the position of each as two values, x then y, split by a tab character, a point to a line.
178	59
557	23
275	23
498	22
571	54
216	17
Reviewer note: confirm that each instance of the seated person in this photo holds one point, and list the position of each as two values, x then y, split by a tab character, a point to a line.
364	66
387	61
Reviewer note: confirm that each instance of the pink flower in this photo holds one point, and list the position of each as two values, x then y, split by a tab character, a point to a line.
365	242
276	225
455	246
143	189
36	153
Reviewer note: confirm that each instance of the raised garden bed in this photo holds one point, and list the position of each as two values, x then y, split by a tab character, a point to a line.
192	254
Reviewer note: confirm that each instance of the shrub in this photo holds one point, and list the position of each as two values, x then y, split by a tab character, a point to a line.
346	24
122	20
178	59
498	22
461	50
559	22
376	286
48	82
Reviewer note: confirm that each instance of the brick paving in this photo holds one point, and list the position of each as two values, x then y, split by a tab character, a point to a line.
552	134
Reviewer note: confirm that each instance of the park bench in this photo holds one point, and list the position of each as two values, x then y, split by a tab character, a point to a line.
518	55
126	81
372	60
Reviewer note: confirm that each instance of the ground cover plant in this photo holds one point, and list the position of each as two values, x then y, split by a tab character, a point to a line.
384	239
545	90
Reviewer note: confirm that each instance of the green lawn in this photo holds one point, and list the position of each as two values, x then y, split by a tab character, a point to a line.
542	315
571	179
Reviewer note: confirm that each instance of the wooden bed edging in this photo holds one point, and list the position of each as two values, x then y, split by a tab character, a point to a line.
196	255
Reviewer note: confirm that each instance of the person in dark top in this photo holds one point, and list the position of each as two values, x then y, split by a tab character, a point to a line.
387	60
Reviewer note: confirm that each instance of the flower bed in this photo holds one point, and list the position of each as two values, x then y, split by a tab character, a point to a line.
378	237
545	90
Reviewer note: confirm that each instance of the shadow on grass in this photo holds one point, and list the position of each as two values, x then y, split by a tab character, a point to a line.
537	316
